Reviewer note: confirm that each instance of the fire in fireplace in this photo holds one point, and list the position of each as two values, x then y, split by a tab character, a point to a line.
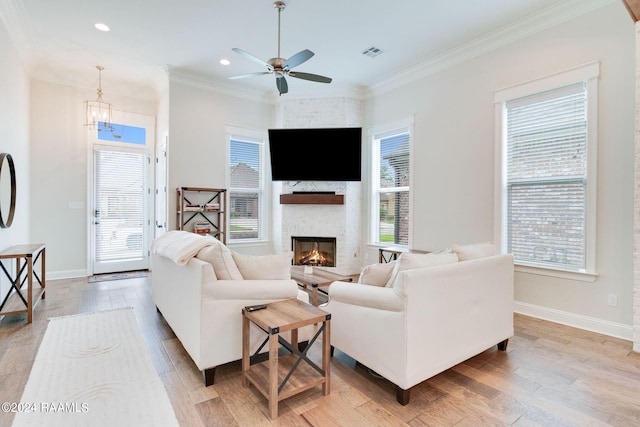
314	251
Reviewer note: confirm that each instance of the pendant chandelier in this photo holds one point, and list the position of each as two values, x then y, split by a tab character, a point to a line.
98	112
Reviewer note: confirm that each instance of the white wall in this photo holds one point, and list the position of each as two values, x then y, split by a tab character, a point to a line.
454	158
14	139
60	153
198	116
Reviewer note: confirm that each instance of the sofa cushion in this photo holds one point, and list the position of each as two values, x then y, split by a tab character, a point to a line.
473	251
377	274
267	267
410	261
219	256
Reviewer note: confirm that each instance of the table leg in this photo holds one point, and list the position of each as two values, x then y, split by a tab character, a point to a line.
29	289
326	361
42	272
246	361
273	375
314	294
294	338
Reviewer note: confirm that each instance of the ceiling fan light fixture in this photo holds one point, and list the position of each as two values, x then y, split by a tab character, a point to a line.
279	66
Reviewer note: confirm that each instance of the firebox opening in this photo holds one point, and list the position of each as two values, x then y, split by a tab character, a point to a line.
314	251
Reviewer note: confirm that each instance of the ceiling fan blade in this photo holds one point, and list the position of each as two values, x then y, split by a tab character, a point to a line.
242	76
282	85
298	58
253	58
309	76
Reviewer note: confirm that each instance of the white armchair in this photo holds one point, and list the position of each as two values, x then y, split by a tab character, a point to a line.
429	320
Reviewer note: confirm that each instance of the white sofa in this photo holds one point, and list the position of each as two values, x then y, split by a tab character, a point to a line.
418	322
196	286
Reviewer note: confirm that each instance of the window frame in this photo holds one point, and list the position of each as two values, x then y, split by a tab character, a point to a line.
589	74
259	138
375	134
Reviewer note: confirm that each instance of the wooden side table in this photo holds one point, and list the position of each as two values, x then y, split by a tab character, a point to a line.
15	302
280	377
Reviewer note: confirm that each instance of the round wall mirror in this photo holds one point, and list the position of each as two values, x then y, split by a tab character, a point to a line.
7	190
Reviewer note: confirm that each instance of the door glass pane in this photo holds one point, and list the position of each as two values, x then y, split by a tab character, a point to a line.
120	205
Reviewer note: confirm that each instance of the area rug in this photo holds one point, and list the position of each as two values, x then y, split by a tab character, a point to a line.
117	276
94	369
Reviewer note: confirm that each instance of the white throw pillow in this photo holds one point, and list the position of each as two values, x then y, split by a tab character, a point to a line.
219	256
266	267
477	250
377	274
409	261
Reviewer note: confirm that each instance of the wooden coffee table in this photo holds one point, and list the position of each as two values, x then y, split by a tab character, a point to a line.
316	280
282	377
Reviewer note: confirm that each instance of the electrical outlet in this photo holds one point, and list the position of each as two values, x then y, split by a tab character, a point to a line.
613	300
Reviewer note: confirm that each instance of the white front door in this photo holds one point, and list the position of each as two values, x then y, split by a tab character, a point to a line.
121	197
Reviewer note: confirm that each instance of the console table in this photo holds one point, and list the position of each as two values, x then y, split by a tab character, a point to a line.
284	376
394	252
15	302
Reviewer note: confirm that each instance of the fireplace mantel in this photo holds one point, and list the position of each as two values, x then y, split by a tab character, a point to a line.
312	199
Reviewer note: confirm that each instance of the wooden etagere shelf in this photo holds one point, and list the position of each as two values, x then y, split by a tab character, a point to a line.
202	210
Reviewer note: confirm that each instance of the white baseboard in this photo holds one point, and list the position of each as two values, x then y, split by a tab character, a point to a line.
605	327
66	274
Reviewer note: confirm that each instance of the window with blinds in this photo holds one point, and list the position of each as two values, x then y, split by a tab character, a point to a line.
246	183
391	173
547	177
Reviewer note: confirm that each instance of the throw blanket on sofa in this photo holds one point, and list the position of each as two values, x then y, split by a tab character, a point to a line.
180	246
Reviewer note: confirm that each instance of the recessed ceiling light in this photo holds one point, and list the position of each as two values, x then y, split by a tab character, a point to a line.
225	61
102	27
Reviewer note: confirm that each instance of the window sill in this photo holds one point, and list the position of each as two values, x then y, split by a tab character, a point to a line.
561	274
247	242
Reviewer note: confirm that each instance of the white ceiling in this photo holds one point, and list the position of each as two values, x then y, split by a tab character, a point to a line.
57	41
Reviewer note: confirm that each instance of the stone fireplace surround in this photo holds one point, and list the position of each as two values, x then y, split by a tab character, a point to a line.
340	221
311	220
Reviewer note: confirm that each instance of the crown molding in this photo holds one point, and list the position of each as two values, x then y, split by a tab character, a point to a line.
202	81
517	30
18	28
13	17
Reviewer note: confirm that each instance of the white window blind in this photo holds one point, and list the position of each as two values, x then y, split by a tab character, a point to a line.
546	185
392	177
246	188
120	205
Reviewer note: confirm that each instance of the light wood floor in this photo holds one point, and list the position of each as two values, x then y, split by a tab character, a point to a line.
551	375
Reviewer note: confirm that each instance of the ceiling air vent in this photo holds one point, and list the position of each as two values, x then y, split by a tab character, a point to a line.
372	52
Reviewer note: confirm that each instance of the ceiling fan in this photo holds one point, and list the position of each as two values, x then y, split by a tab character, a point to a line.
281	67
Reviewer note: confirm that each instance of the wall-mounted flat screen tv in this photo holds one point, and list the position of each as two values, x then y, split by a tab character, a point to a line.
316	154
